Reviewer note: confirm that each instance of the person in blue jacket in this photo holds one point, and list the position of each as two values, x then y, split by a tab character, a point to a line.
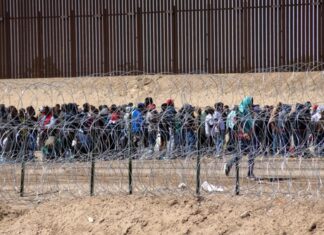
137	123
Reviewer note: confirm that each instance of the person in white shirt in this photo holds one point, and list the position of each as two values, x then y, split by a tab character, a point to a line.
209	124
219	128
317	113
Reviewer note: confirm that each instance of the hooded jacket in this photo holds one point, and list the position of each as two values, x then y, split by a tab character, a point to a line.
137	121
245	115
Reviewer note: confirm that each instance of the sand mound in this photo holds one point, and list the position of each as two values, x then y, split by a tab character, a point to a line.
199	90
216	214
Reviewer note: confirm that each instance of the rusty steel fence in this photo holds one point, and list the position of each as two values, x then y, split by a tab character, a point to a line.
63	38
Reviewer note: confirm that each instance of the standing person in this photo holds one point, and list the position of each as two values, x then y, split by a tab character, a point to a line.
152	119
114	127
31	122
299	121
267	143
284	136
148	101
218	130
167	125
127	117
11	145
244	133
163	128
209	124
231	124
275	130
319	132
258	130
189	127
44	120
202	138
137	124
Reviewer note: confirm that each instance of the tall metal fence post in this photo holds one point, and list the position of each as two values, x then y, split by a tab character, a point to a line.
106	42
198	158
73	44
8	44
174	40
139	27
22	177
23	156
237	166
92	174
210	38
245	41
237	178
40	65
2	41
130	164
282	33
321	34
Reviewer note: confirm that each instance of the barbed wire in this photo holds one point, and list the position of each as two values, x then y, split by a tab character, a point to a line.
51	147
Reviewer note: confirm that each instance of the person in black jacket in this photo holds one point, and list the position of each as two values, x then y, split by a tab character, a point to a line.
299	120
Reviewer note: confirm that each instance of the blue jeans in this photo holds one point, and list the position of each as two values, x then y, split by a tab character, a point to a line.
190	140
219	142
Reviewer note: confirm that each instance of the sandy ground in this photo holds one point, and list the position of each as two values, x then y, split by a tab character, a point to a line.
287	201
199	90
215	214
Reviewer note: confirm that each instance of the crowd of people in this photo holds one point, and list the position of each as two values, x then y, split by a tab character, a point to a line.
68	130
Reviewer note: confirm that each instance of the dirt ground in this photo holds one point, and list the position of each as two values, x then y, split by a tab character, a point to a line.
214	214
56	201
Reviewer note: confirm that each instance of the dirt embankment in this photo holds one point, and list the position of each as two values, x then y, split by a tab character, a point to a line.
199	90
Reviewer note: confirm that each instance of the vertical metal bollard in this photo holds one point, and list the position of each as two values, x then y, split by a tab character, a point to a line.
198	175
23	166
130	175
22	177
92	174
130	165
237	180
198	159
